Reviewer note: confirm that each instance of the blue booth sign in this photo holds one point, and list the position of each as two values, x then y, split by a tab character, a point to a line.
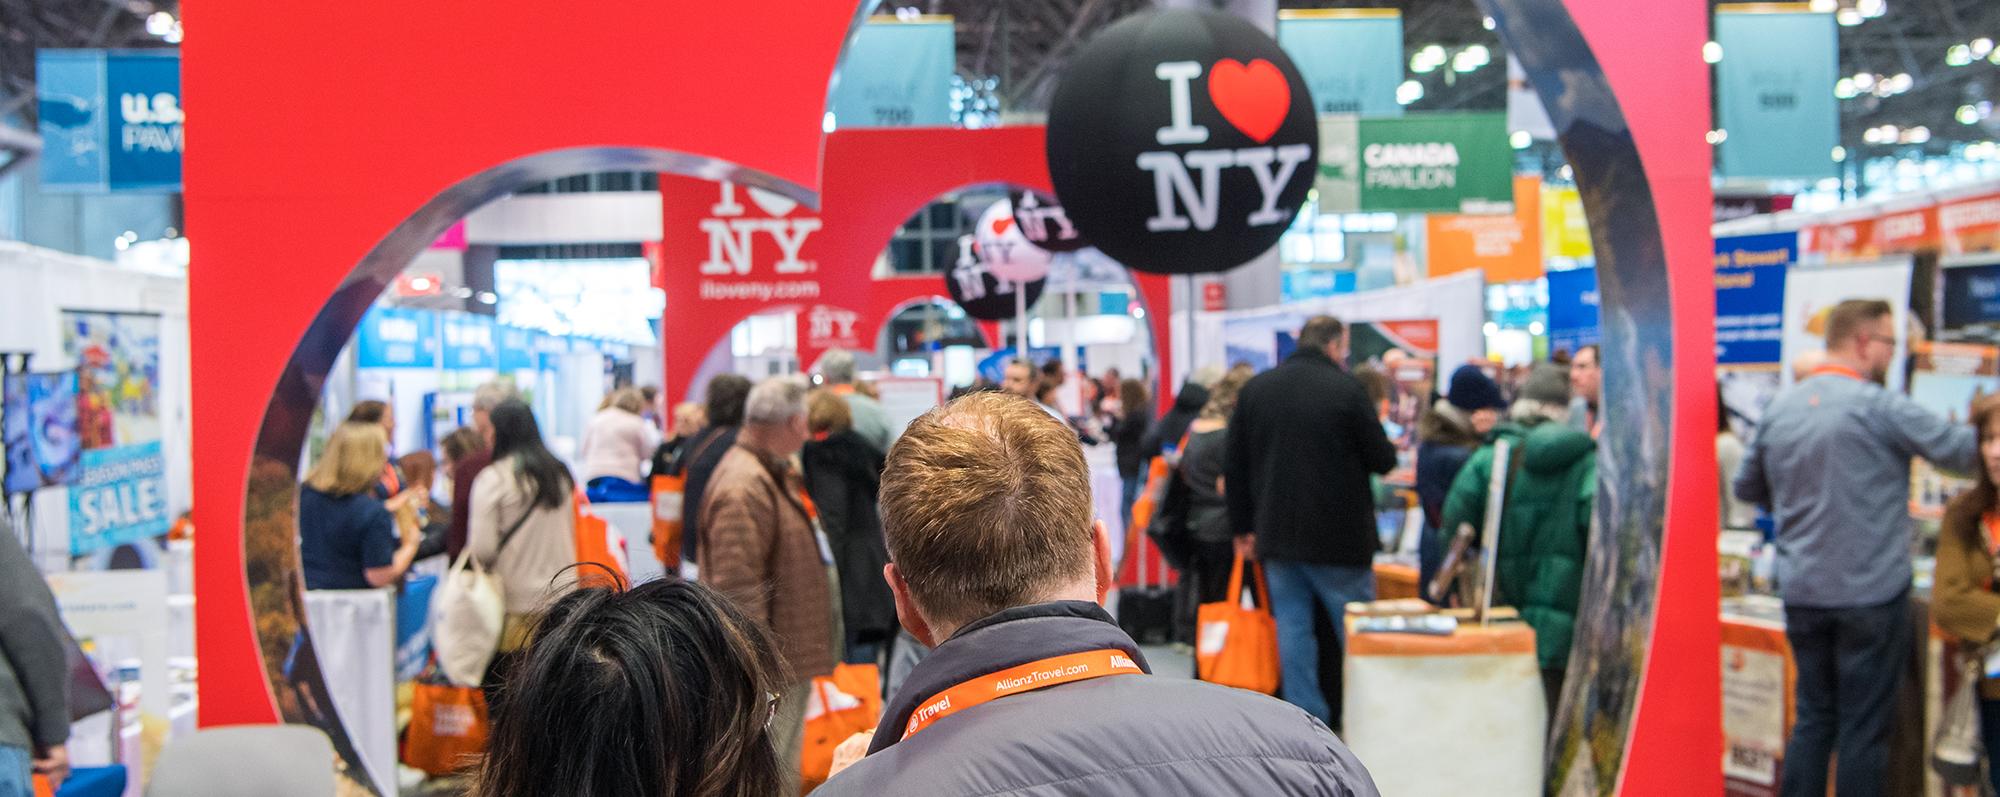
397	337
1573	320
110	120
468	342
119	497
1750	297
1971	295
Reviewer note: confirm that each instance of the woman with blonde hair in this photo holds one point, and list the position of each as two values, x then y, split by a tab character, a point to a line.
348	538
1211	549
617	444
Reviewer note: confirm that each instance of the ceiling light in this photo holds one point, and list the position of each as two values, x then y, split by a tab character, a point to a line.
1466	61
1520	139
1981	47
488	297
1847	17
1901	82
1916	135
1718	136
1824	6
1958	55
1967	115
1535	327
1872	8
1844	89
1408	92
173	36
1712	52
1421	64
159	23
1433	52
1994	57
1566	172
1828	184
1839	154
1479	54
1488	23
1864	80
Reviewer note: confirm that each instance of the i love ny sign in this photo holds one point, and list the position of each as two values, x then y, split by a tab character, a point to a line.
1182	142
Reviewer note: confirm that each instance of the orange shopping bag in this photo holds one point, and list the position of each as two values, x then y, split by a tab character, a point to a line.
602	565
1237	644
447	727
842	704
668	494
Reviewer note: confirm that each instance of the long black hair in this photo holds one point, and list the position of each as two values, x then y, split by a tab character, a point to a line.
516	435
663	689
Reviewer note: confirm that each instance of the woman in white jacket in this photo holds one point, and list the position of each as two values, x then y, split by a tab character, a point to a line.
617	444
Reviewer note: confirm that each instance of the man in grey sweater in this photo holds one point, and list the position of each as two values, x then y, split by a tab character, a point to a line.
34	687
1831	462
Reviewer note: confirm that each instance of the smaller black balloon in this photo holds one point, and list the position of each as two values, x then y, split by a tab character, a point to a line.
985	296
1044	222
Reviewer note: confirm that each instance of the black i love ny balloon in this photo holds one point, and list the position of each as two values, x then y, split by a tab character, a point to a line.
1182	142
1044	222
980	292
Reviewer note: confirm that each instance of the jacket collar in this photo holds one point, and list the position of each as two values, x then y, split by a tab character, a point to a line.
1314	357
1009	638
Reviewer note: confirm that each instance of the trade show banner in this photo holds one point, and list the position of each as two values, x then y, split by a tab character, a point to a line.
1774	91
1908	231
1849	241
1352	58
1811	293
396	337
514	348
1300	284
1565	229
117	356
896	73
1970	225
1508	247
1750	296
109	120
1436	162
1573	320
119	497
468	342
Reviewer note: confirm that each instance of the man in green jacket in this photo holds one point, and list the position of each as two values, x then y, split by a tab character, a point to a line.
1544	520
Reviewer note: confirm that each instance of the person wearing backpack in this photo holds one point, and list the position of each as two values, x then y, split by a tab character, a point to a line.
1545	516
521	528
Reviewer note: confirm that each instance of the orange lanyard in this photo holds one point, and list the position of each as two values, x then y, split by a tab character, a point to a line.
1990	523
1839	370
1016	680
806	503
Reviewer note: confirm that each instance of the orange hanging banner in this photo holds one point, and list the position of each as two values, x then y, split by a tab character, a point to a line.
1029	677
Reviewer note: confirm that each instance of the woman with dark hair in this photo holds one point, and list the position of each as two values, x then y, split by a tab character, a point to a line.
663	689
522	526
726	396
1135	417
843	473
1965	601
381	413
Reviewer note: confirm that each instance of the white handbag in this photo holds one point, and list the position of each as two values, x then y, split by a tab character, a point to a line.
467	613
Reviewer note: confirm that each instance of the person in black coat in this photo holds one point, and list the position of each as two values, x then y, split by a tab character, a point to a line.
843	474
1302	443
1447	434
1127	432
1173	425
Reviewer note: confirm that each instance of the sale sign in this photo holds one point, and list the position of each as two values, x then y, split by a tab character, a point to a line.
119	497
1182	142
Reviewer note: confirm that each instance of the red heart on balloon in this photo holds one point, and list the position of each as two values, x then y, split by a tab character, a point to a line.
1255	97
1000	225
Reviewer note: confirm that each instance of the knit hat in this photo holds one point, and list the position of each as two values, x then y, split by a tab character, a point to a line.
1547	383
1472	390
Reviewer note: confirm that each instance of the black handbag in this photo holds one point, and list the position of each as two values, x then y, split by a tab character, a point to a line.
1146	610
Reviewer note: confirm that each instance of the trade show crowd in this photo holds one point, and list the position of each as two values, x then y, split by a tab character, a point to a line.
962	556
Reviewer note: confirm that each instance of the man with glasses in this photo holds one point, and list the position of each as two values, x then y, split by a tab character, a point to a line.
1831	463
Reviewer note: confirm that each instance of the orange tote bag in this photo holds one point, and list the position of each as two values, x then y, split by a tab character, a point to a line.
1237	642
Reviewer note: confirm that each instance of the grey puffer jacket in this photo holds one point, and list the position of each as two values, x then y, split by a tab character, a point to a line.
1140	735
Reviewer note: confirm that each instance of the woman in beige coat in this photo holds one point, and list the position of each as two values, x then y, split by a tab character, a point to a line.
1964	600
522	527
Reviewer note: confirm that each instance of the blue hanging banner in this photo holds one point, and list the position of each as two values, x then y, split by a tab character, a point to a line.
396	337
468	342
1750	297
109	120
896	73
1300	284
1352	58
1774	91
516	348
1573	309
119	497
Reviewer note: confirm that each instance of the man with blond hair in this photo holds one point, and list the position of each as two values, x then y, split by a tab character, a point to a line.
997	562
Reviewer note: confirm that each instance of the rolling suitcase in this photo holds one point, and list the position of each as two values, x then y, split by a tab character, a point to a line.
1146	610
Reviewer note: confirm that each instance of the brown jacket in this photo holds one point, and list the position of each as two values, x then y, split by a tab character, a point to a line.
758	548
1962	601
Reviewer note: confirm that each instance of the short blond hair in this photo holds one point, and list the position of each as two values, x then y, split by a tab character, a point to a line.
986	506
628	399
353	460
828	412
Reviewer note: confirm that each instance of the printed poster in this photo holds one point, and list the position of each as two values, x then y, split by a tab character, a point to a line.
39	418
1811	293
1406	352
1946	378
117	358
119	497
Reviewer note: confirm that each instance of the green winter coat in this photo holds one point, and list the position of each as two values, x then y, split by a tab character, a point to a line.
1544	526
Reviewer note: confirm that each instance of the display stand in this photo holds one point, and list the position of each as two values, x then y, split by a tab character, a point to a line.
1472	698
354	632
